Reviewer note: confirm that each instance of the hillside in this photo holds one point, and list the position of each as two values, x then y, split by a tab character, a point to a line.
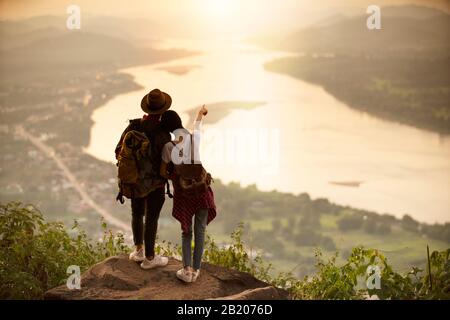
65	51
35	256
52	80
286	228
399	73
406	29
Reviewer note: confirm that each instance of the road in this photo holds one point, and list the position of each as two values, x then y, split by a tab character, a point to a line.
48	151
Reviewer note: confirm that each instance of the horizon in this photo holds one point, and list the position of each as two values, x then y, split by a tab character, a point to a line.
223	17
327	130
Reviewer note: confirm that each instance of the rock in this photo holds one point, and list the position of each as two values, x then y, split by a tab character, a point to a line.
119	278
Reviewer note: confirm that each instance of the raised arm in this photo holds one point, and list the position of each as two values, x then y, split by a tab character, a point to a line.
201	113
197	132
198	121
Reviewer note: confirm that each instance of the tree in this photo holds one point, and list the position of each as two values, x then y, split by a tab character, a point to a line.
350	222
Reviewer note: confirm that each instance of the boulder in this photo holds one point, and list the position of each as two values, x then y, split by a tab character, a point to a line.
119	278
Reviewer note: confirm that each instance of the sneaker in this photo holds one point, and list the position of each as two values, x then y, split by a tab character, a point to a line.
157	261
184	275
137	255
195	275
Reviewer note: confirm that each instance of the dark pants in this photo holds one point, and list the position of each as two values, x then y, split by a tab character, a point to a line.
150	207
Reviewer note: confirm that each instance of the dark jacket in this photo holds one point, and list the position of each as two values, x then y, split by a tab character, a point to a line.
158	138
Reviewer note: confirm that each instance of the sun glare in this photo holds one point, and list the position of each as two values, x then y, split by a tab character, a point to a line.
219	8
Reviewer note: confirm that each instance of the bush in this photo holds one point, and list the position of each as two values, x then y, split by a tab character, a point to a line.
437	231
332	281
383	229
34	255
311	238
409	224
309	221
350	222
373	227
237	256
266	240
341	282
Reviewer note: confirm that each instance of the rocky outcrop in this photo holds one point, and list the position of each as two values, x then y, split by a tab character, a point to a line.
119	278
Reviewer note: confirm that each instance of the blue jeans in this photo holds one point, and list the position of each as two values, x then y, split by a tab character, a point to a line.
200	219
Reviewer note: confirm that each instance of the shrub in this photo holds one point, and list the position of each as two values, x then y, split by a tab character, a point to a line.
274	246
373	227
350	222
311	238
341	282
34	255
409	224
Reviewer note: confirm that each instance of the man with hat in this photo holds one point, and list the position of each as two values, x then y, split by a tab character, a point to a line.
153	104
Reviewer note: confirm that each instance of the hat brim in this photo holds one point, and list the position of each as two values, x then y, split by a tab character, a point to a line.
145	107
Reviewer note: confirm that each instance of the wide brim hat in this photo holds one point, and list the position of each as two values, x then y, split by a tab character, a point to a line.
156	102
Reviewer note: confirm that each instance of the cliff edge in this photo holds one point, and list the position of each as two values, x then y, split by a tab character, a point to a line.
119	278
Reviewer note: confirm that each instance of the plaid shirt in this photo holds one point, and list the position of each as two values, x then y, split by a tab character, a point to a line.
185	208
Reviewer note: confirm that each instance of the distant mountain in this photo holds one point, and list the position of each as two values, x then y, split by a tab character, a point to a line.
403	28
74	46
106	25
64	50
11	39
330	20
411	11
17	27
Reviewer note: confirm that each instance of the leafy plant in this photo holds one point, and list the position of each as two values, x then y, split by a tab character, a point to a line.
34	254
341	282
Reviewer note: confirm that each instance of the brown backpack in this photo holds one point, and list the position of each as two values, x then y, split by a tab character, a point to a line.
135	171
192	179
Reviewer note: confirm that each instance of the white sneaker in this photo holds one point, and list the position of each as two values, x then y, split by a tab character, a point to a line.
157	261
184	275
137	255
195	275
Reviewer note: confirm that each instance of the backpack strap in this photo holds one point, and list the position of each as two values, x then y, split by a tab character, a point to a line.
169	194
120	198
136	124
192	149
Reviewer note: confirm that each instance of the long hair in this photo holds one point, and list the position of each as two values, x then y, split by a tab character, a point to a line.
170	121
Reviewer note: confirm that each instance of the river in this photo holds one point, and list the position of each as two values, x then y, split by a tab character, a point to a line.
301	139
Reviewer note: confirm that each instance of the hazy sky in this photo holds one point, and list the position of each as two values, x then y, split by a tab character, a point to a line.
248	15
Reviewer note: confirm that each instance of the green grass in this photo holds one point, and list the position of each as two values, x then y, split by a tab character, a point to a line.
402	248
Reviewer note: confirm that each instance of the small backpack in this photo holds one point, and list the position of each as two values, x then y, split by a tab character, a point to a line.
135	171
192	179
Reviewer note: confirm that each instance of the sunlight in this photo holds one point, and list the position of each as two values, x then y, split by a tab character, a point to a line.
218	8
219	16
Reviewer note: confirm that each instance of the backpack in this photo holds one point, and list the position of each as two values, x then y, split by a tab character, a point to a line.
192	179
134	166
139	159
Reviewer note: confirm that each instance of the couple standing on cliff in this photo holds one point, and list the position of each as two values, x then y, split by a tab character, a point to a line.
163	158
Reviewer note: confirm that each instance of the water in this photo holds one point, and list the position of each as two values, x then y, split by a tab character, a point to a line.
381	166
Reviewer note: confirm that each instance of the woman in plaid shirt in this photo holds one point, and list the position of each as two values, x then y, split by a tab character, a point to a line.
202	207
